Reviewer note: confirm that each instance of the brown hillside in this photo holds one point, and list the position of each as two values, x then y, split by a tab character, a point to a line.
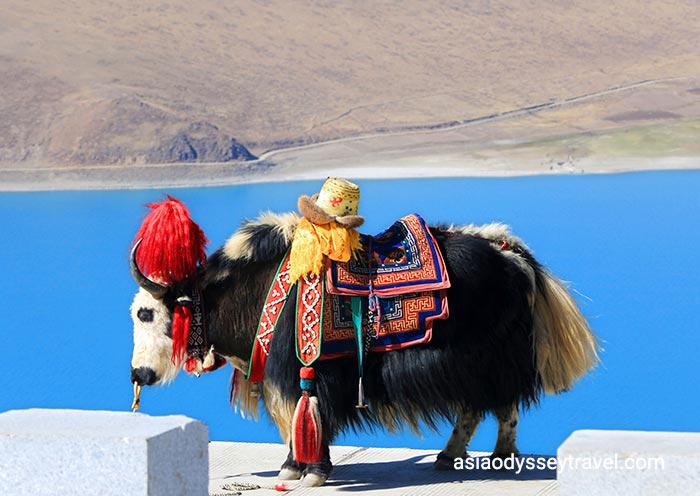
125	81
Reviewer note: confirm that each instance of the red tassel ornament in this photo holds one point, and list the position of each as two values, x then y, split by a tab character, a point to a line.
307	431
182	317
172	248
172	245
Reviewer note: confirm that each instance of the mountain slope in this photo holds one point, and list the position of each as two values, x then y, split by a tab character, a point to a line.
121	82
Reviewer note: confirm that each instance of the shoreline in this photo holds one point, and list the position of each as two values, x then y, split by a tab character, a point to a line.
463	152
562	137
164	176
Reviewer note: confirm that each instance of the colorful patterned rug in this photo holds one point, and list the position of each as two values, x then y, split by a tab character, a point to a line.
402	259
407	320
407	275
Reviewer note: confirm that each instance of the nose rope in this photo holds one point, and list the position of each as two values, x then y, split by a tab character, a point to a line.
136	404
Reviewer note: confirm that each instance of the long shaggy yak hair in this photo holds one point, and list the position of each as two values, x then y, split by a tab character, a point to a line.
514	331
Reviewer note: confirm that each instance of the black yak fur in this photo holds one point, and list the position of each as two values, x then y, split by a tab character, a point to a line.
481	358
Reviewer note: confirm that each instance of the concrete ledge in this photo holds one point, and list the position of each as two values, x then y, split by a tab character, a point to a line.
629	462
49	452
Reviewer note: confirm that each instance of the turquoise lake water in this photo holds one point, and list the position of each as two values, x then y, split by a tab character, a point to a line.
627	243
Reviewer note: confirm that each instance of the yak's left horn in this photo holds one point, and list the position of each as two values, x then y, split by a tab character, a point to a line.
157	290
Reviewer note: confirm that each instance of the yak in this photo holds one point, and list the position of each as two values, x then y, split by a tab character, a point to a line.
514	332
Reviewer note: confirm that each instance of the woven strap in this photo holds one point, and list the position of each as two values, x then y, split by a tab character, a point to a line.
309	318
197	345
274	304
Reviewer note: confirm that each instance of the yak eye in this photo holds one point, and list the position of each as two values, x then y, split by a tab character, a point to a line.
145	314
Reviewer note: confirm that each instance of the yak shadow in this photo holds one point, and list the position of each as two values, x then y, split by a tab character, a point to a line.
419	471
269	473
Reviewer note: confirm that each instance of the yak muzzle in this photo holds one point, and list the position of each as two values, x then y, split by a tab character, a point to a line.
143	376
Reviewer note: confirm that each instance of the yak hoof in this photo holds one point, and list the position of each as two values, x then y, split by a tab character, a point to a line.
288	474
445	462
313	480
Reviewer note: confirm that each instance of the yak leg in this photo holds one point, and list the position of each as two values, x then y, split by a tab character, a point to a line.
507	432
291	469
467	422
317	473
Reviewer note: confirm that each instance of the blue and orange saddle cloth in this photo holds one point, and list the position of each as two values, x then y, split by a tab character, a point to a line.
401	268
407	273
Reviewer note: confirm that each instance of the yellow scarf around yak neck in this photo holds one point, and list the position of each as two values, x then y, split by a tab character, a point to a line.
312	242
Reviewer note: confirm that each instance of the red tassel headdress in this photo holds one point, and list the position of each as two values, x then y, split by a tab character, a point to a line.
171	250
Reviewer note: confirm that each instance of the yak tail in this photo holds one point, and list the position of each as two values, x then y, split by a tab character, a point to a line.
565	346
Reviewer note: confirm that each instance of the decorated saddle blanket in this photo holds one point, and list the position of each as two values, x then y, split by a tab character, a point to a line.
406	320
401	269
403	259
403	266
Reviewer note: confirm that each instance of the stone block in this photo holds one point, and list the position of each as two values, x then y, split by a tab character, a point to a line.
66	452
594	462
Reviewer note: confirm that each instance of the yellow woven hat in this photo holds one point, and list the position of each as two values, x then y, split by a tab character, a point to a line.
338	201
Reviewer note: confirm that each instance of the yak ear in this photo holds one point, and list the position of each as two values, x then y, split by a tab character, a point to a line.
158	291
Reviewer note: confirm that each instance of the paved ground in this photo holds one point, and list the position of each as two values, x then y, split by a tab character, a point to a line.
250	469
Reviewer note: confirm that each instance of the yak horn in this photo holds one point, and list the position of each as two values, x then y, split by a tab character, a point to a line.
157	290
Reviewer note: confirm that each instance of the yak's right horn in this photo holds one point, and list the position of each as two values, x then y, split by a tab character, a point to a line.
157	290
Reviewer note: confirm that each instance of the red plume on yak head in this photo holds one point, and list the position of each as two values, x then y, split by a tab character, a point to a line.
171	247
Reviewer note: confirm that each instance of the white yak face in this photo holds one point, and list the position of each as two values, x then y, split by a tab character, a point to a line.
151	362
